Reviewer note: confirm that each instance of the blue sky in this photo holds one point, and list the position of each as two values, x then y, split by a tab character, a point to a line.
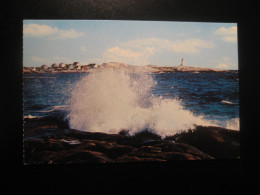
212	45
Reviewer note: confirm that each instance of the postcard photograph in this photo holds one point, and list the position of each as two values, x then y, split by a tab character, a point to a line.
115	91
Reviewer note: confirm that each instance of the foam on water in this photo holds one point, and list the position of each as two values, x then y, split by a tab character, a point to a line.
233	124
31	116
226	102
112	100
55	108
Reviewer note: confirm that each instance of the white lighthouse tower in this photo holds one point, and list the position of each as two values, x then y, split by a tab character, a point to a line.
182	63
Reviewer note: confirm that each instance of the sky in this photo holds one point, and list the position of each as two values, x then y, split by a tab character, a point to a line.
202	44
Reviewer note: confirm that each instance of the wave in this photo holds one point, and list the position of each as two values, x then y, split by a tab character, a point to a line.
71	142
226	102
112	100
31	116
56	108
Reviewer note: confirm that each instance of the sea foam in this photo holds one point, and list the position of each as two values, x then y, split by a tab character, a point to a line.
112	100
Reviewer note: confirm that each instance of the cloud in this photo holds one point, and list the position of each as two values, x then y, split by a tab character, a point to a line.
40	60
83	48
94	60
69	34
226	63
139	51
222	66
231	39
49	61
227	66
227	31
190	46
37	30
185	46
117	54
123	52
227	34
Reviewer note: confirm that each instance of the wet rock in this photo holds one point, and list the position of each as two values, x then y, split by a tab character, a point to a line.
152	160
87	144
45	123
118	151
84	156
150	149
111	149
44	145
147	134
128	159
183	148
164	156
218	142
179	156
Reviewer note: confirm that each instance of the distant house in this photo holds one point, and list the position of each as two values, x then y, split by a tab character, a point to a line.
67	66
44	67
54	65
62	65
91	65
50	69
70	67
76	64
59	69
84	67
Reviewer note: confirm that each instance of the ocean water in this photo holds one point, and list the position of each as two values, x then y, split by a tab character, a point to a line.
109	100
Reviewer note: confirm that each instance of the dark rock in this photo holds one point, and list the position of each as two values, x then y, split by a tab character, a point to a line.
148	142
118	151
84	156
179	156
124	132
152	160
183	148
111	149
45	123
215	141
47	142
128	159
147	134
150	149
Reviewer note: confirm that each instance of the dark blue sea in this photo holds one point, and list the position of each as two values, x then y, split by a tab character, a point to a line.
213	95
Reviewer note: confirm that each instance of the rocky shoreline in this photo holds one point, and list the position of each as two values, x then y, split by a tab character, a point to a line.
132	68
49	140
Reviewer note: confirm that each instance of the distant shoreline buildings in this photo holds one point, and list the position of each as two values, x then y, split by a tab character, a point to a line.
75	66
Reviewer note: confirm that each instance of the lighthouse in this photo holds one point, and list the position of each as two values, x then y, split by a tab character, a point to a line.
182	63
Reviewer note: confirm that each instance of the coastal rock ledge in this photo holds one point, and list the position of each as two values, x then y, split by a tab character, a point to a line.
50	141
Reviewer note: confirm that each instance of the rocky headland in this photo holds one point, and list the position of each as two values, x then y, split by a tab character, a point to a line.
128	68
49	140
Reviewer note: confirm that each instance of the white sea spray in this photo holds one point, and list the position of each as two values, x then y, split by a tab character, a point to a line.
112	100
233	124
